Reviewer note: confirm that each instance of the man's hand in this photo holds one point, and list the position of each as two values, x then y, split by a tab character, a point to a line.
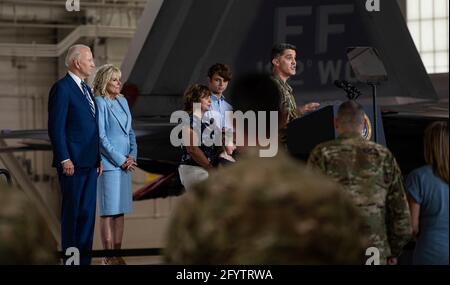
100	169
68	168
308	108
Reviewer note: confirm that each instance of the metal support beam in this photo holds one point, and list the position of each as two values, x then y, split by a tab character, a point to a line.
134	4
49	50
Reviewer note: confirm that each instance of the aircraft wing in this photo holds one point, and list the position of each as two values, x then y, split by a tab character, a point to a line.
157	155
25	134
29	140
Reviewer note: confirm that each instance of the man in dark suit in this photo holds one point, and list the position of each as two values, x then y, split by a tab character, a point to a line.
73	131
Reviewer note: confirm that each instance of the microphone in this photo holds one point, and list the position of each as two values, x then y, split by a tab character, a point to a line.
342	84
352	92
339	83
347	84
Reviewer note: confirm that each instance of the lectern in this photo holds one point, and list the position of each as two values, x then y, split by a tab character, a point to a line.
305	133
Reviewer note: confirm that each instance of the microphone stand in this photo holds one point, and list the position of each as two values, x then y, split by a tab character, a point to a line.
374	104
353	93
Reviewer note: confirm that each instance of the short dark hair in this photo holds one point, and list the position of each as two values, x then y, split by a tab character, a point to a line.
222	70
350	114
278	49
193	94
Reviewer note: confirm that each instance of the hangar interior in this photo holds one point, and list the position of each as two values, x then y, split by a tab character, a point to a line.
34	38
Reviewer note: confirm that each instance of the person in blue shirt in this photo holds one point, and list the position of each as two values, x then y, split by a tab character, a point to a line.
219	75
427	189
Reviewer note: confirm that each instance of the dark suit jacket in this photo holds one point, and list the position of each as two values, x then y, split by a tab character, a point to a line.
72	129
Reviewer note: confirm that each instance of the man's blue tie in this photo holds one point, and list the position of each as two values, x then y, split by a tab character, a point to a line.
88	97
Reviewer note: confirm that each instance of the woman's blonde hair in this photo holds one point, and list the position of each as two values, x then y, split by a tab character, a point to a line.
102	77
436	148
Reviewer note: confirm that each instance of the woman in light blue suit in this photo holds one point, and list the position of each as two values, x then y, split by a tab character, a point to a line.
118	153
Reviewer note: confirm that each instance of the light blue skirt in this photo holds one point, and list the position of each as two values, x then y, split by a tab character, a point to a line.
114	193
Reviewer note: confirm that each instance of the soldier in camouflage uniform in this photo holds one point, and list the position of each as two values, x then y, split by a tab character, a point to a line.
371	177
287	104
284	66
264	210
24	237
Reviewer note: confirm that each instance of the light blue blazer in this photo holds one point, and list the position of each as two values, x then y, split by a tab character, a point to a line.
117	138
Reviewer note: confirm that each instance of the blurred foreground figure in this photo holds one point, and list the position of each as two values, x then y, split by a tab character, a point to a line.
264	210
24	237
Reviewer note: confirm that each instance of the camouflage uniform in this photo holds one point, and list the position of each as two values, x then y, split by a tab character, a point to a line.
24	238
287	105
371	176
265	211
